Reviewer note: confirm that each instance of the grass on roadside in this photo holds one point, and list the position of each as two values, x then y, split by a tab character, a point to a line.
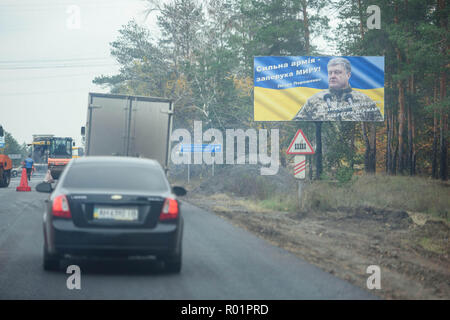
261	193
279	202
432	245
391	192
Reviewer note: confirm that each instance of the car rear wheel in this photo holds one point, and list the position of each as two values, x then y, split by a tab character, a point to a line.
172	264
55	174
51	262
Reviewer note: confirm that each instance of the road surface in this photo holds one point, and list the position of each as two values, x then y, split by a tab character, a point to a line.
220	261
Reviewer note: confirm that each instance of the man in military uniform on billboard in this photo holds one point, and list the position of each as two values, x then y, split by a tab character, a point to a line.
339	102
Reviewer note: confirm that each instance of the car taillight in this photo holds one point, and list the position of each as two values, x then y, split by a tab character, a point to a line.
169	210
61	208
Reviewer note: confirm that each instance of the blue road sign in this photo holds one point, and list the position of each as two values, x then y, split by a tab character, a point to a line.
199	148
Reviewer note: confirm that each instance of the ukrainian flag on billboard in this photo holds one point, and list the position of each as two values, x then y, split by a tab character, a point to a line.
318	88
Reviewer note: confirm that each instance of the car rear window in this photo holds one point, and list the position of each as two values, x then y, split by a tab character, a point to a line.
116	176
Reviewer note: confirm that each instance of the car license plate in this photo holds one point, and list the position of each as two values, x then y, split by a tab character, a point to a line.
114	213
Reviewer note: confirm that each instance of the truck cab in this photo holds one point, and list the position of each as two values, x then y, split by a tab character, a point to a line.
60	153
5	162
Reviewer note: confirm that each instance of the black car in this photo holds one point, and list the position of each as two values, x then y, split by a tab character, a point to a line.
113	206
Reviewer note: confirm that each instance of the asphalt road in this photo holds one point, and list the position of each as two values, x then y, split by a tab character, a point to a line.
220	261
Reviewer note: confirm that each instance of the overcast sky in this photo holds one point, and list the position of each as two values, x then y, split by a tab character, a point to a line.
47	63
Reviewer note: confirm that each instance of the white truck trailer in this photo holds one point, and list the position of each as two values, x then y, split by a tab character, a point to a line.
133	126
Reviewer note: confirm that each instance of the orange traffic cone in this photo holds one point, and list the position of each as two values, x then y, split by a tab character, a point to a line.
23	182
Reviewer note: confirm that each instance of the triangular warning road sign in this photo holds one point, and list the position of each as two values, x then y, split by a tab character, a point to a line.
300	145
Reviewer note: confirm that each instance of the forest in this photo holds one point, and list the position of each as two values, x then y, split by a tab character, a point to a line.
202	58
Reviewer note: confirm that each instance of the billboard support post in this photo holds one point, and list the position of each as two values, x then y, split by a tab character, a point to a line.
318	149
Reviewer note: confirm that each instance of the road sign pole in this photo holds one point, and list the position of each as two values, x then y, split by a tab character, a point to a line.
213	160
300	167
189	172
300	174
300	147
300	189
200	148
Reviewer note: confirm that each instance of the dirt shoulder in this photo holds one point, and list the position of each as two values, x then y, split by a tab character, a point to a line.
411	249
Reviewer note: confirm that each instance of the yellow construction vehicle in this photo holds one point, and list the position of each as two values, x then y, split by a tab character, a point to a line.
5	163
77	152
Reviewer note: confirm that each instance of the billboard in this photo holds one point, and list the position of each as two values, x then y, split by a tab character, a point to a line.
318	88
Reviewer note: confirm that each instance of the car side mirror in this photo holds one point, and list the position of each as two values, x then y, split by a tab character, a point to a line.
44	187
179	191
